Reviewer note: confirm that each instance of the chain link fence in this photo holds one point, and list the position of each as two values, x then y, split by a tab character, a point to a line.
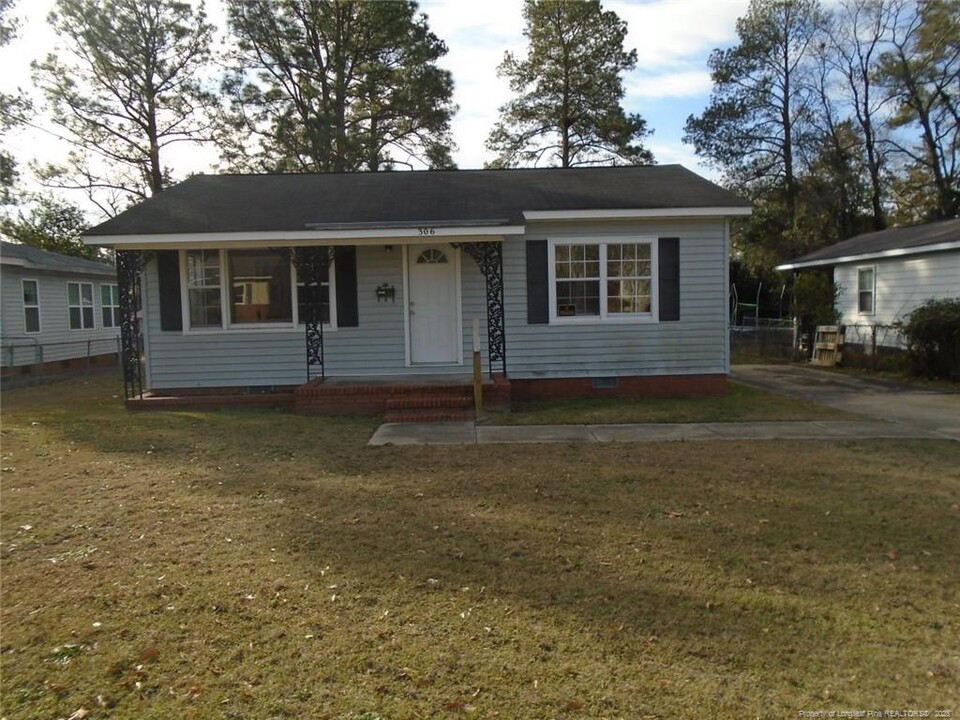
763	338
28	361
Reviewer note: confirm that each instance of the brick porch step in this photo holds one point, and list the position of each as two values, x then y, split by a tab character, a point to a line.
428	416
418	402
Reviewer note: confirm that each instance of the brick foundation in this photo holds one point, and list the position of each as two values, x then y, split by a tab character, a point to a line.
651	385
59	367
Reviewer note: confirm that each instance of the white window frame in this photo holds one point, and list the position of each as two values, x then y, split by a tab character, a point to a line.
872	290
114	308
81	306
604	317
226	298
36	306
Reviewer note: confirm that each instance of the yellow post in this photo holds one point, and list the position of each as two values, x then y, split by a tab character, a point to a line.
477	376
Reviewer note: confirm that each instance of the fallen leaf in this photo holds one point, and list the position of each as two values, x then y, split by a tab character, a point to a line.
149	655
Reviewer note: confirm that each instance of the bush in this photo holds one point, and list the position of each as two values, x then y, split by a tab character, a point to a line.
932	333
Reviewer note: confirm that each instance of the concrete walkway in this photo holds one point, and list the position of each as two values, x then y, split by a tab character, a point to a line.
889	410
466	433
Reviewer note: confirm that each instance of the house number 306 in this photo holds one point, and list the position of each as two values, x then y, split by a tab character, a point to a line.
427	231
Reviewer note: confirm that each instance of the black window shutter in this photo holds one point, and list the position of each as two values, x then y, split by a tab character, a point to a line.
538	295
168	272
345	269
668	257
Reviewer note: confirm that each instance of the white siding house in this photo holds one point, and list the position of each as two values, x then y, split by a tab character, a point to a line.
883	276
56	312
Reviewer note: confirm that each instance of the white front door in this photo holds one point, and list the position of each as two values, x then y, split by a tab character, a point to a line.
432	304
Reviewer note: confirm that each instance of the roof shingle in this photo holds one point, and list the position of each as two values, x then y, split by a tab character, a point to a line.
911	239
252	203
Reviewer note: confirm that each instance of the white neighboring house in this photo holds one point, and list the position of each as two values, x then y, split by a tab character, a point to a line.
57	313
885	275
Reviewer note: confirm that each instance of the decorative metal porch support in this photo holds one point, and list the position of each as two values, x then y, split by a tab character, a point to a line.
129	266
310	263
489	258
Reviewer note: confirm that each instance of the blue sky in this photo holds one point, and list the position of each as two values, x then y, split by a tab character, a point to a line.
672	37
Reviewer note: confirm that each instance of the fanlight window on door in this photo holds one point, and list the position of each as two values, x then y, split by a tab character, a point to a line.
431	256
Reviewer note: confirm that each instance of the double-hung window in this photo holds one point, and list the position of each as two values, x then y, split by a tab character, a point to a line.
203	288
603	279
110	305
866	286
31	306
259	288
80	305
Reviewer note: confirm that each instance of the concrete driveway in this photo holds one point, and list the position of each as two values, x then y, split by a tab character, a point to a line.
901	403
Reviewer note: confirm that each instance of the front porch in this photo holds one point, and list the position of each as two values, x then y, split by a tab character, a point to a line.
439	398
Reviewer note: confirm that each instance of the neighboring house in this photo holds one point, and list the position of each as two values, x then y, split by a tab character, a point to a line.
56	312
583	280
884	275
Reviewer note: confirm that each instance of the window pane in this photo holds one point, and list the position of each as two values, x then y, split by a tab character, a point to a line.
205	308
87	317
576	298
31	319
74	314
260	287
106	296
30	292
865	279
106	317
203	268
86	293
628	296
306	296
73	294
866	302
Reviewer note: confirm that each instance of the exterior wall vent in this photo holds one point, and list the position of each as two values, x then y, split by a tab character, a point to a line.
605	383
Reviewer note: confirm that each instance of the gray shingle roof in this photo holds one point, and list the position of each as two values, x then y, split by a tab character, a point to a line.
36	259
910	240
251	203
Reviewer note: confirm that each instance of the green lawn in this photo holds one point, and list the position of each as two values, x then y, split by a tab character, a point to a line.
263	565
741	403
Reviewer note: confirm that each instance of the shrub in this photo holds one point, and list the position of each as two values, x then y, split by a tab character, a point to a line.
932	333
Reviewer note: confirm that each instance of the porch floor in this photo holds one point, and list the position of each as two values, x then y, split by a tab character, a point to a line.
420	398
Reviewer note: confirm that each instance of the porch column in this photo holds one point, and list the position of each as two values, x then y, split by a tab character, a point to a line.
310	263
489	258
129	266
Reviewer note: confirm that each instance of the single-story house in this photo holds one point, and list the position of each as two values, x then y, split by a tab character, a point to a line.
583	280
57	312
884	275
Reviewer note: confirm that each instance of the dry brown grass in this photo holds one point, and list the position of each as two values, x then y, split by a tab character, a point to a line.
262	565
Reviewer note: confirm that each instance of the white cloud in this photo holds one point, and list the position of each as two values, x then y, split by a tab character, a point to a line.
680	84
666	33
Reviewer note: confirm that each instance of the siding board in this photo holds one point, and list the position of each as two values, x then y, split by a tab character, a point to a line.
902	284
694	344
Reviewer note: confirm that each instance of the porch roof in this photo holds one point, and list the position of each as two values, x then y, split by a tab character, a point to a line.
313	206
